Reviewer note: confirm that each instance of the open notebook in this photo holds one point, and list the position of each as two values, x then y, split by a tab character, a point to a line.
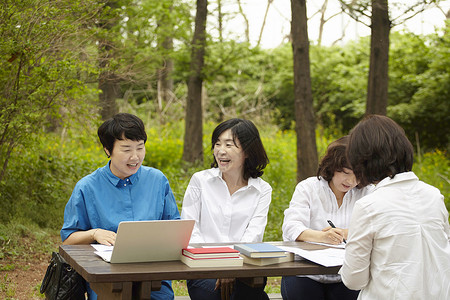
146	241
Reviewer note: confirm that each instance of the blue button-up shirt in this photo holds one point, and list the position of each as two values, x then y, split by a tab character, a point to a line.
102	200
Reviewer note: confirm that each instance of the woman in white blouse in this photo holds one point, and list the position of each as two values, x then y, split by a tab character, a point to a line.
399	235
330	195
229	203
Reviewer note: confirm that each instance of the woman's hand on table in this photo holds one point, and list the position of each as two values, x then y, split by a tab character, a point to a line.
104	237
334	236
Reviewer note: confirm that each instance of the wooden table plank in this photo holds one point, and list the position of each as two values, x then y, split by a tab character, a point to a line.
137	280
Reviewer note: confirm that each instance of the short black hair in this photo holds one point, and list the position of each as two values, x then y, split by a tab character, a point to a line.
121	126
334	160
378	148
248	135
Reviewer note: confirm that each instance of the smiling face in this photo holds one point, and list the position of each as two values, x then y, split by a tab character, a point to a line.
342	182
126	157
229	154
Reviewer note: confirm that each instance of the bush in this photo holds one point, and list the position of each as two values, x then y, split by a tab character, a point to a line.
434	168
42	177
24	239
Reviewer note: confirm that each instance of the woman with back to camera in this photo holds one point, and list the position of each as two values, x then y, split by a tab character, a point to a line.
399	235
330	195
229	203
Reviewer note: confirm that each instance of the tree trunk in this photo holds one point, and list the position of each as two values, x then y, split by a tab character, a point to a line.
108	82
165	80
377	91
307	160
220	20
193	147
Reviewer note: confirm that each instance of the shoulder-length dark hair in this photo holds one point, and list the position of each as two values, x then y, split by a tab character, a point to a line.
334	160
248	136
378	148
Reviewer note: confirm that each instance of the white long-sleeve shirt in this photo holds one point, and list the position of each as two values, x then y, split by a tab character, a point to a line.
221	217
312	204
399	242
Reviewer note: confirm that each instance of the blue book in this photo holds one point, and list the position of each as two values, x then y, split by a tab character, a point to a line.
260	250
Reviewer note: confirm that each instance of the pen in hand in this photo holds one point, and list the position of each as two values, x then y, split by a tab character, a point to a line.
332	225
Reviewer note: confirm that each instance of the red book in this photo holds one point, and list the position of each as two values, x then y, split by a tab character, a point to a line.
211	252
213	262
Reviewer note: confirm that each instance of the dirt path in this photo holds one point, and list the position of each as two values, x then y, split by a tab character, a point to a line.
23	266
23	280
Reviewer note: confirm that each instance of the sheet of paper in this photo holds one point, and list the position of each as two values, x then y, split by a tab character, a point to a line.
341	245
330	257
231	246
101	248
103	251
105	255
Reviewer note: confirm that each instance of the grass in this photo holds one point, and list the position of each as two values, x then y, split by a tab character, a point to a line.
272	287
19	240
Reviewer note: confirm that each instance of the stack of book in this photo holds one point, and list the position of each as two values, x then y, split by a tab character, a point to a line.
262	254
211	257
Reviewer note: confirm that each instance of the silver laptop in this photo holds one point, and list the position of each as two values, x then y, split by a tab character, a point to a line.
146	241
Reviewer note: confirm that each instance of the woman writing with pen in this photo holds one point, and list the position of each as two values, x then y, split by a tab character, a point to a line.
320	211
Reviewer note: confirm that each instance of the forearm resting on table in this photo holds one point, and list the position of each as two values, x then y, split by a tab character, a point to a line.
328	235
81	237
310	235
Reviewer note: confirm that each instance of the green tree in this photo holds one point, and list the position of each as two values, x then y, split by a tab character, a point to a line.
42	67
338	78
236	79
418	86
157	33
421	88
381	21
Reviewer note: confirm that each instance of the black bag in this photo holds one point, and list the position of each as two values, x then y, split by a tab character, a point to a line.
61	281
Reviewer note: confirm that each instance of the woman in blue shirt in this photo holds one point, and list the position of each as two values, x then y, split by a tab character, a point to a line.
123	190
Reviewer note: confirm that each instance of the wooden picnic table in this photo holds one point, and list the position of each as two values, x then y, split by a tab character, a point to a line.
137	280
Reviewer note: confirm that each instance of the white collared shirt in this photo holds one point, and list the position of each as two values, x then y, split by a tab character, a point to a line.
221	217
312	204
399	242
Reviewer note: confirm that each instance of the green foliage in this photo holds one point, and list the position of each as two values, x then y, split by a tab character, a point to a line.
42	177
434	168
420	88
139	34
281	174
419	85
338	78
339	83
235	80
41	70
47	79
281	85
21	238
